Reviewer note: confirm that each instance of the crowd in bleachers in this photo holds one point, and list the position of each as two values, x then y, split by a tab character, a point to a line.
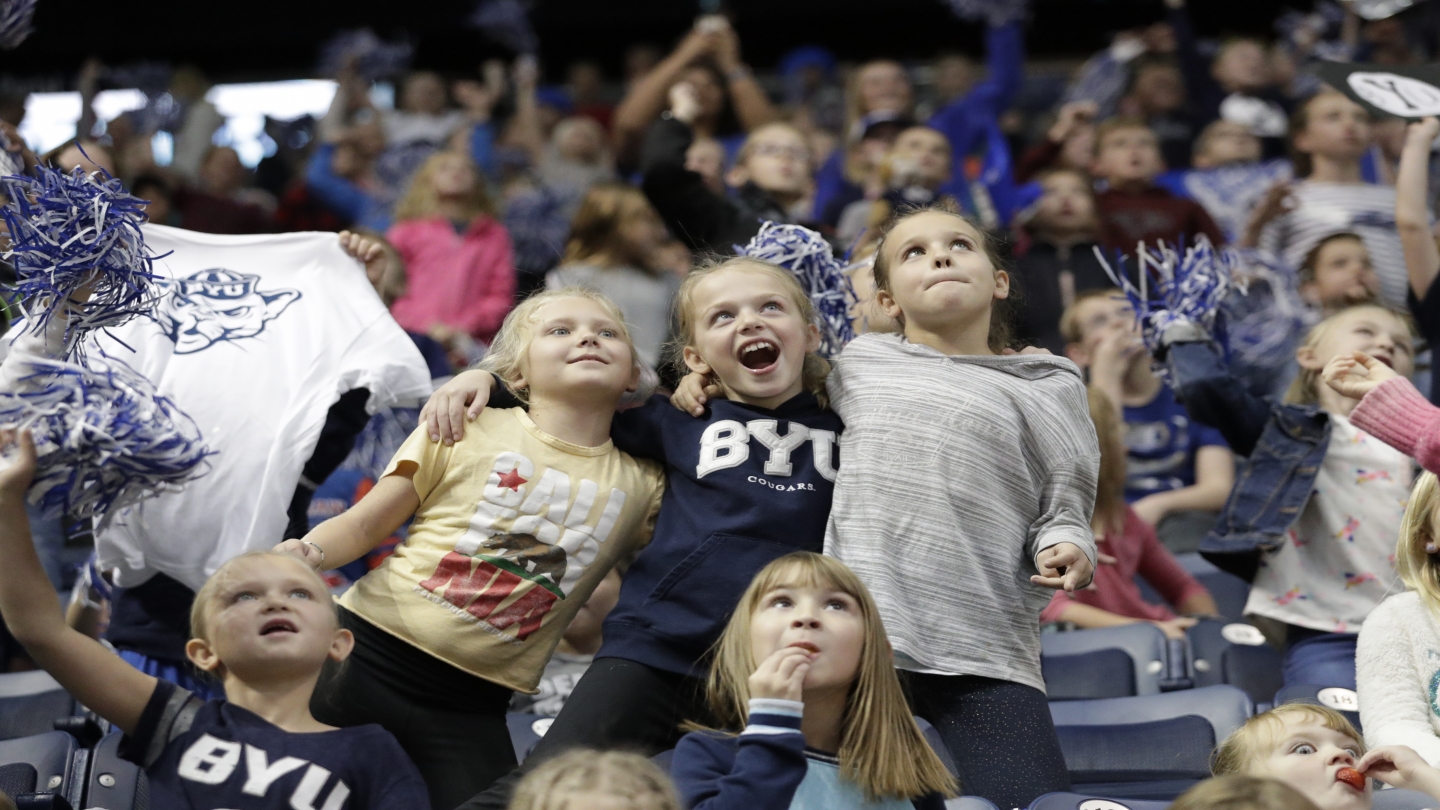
1074	548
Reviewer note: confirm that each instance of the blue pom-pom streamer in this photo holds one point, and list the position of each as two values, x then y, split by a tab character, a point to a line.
71	231
1175	288
16	22
374	58
104	437
994	12
810	258
508	23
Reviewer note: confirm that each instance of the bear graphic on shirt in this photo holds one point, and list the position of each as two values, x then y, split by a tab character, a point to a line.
217	305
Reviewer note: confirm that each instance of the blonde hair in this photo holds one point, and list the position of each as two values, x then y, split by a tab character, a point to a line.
1305	388
1256	739
1240	792
881	748
568	780
421	201
1110	489
748	146
814	370
1070	327
595	228
200	609
1418	569
512	342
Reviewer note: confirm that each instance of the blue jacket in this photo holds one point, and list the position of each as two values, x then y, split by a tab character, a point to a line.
759	769
1284	446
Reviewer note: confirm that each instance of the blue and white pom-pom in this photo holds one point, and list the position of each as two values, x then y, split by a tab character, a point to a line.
373	58
994	12
16	22
1175	288
810	258
104	438
74	231
508	23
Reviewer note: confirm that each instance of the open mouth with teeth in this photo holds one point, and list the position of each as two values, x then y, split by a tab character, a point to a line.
759	356
275	626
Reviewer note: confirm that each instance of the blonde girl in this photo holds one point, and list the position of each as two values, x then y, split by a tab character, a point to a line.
596	780
613	238
514	527
1314	513
748	482
967	491
804	669
457	254
264	625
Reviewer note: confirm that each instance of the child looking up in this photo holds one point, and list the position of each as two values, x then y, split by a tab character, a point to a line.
804	668
265	625
1059	262
1132	208
514	528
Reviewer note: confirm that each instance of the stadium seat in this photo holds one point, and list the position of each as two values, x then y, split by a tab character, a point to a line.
969	803
114	783
1082	801
1402	800
52	756
30	702
1234	653
1111	745
1230	591
1339	698
1112	662
933	737
525	731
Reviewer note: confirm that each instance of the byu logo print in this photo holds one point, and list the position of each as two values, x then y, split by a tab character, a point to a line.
1397	95
216	305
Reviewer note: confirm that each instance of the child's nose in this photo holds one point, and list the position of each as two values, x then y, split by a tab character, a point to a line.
1339	756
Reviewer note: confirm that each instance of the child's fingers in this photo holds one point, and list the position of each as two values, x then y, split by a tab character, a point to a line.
1055	583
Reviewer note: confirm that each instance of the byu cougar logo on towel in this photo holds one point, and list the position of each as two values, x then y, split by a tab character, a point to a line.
215	305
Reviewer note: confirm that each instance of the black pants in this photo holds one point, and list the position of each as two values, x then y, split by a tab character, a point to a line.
999	733
618	703
451	723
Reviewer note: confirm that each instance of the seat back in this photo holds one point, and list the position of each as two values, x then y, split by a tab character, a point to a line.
53	755
1082	801
1230	591
1339	698
1111	662
969	803
1396	799
525	731
115	783
17	778
30	703
1234	653
932	736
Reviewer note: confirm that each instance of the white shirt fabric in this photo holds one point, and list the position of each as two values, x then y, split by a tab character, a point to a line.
1322	209
1337	562
255	338
1397	671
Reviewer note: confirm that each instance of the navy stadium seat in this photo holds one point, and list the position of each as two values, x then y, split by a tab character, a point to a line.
1111	747
1402	800
114	783
1106	663
1234	653
525	731
969	803
30	703
1230	591
1339	698
933	737
1083	801
57	761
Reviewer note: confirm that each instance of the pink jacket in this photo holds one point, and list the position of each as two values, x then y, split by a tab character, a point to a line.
1136	550
1399	415
465	282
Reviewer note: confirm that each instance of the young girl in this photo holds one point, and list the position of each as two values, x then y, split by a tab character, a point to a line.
1239	792
967	490
1133	549
586	780
458	257
1312	516
1317	752
613	238
747	483
264	624
804	668
514	528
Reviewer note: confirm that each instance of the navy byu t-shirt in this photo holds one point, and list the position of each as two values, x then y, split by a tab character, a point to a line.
211	754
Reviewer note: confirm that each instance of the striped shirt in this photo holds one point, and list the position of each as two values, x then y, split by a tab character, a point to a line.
958	471
1325	208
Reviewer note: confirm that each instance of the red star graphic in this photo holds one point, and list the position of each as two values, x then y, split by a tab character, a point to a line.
512	480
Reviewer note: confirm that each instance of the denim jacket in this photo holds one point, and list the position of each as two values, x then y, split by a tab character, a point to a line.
1284	446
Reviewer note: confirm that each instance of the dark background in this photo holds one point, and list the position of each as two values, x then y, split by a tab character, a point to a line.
260	39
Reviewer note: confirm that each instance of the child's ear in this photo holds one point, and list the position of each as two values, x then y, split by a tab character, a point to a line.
1002	285
695	362
1308	360
887	304
341	645
202	655
812	338
633	384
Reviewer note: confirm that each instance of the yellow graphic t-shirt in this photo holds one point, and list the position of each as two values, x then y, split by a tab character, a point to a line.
514	531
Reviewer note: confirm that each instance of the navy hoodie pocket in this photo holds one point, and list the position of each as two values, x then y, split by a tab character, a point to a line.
700	593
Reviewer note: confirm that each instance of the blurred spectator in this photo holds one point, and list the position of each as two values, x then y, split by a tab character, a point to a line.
1058	261
160	207
1105	77
87	155
200	122
1157	95
1069	143
421	115
1132	208
640	59
12	108
221	204
614	240
1229	178
808	75
706	157
587	92
340	181
916	171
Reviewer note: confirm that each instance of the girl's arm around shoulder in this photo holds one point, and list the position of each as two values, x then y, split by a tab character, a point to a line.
757	770
640	431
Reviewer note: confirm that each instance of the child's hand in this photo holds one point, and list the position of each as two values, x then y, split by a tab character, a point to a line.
684	103
1399	766
361	247
1072	117
782	675
18	462
1175	628
1423	132
302	551
693	392
455	403
1356	375
1063	565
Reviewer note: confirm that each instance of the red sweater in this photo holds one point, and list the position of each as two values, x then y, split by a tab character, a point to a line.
1151	214
1136	550
466	282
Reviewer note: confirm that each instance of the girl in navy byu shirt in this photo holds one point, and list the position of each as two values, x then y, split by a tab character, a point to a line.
264	624
804	668
749	482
